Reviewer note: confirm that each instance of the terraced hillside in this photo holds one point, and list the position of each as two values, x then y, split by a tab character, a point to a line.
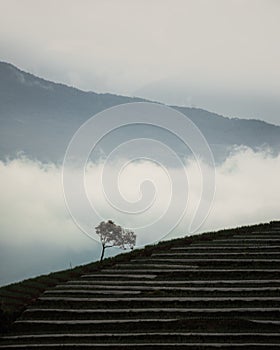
217	291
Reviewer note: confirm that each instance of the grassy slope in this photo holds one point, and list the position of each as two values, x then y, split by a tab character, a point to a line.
16	297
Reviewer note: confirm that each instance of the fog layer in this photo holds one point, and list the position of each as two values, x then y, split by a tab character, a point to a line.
38	234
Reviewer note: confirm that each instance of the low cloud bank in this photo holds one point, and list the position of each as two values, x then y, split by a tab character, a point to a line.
39	235
247	190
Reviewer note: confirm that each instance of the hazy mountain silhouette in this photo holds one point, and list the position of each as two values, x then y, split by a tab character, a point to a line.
39	118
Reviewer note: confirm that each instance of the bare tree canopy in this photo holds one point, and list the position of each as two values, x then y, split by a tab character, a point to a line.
112	235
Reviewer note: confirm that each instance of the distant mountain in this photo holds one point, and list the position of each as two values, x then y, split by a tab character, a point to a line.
39	118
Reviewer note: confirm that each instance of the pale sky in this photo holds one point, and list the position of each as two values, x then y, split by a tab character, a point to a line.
221	55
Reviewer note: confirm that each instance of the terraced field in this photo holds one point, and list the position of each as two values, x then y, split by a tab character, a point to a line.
222	292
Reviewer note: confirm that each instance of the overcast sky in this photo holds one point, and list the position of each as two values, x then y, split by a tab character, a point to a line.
221	55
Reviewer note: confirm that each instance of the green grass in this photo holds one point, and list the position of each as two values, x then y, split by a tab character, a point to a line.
15	297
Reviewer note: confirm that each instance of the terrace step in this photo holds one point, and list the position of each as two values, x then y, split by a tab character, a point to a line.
86	322
153	299
87	288
198	260
196	345
272	230
241	247
176	282
173	326
85	312
144	337
238	243
82	291
138	276
232	335
267	321
154	265
258	236
259	240
218	254
171	270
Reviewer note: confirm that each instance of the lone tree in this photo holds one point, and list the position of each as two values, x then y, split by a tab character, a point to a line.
112	235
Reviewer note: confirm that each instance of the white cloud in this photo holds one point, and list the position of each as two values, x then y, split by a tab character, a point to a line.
32	206
248	190
34	217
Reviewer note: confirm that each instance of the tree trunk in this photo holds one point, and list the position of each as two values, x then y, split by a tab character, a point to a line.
102	253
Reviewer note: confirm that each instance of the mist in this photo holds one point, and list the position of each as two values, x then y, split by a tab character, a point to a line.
38	235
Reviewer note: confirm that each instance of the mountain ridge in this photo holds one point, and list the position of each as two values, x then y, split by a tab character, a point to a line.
39	117
72	87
